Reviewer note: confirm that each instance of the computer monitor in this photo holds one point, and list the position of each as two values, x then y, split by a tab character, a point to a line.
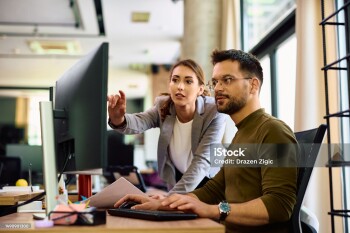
80	114
30	155
31	159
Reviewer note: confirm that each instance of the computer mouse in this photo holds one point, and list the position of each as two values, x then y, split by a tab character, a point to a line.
127	204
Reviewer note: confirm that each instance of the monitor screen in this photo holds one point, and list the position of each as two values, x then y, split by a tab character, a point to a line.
80	112
31	159
30	155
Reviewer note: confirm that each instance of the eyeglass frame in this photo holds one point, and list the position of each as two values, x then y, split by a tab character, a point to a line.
225	81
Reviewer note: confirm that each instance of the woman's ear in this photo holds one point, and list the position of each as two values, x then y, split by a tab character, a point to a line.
201	90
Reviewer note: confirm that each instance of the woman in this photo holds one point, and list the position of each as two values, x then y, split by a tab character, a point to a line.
188	122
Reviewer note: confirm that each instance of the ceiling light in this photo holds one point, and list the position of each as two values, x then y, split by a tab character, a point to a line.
54	47
140	17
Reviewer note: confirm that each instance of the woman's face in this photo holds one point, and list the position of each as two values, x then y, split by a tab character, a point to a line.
184	86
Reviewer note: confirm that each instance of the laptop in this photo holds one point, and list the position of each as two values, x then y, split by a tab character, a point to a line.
153	215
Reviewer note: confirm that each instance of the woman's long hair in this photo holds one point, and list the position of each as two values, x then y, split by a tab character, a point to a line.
165	108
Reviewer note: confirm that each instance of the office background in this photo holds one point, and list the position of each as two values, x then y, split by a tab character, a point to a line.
40	39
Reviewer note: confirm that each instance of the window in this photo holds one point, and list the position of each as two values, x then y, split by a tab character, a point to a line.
272	39
265	93
260	17
285	80
34	128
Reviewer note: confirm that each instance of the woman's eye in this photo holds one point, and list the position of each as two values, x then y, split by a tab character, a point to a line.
189	81
174	80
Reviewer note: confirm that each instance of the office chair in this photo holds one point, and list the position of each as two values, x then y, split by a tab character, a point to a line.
121	161
310	143
130	173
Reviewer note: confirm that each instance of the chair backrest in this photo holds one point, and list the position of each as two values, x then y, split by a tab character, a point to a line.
130	173
310	143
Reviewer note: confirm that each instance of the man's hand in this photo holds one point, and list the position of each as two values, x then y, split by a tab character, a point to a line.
189	203
117	107
146	203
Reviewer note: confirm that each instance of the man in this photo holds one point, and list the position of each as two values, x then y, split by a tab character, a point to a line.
247	199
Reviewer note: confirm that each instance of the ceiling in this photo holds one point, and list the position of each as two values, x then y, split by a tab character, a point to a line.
73	28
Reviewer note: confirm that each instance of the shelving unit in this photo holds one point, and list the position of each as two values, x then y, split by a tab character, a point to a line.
338	65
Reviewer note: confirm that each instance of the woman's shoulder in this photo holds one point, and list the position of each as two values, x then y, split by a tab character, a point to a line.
161	99
207	106
208	102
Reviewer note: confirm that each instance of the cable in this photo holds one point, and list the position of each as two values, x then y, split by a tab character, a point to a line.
13	209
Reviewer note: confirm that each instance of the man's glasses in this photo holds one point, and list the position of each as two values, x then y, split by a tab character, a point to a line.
225	81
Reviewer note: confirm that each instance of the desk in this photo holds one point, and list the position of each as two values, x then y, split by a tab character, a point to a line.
120	225
11	198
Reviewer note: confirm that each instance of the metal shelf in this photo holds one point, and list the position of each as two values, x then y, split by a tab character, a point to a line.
332	20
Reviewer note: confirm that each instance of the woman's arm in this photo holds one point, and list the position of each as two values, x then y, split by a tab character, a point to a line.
137	123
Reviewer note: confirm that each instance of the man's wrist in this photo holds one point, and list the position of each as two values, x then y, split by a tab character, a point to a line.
215	213
113	126
224	210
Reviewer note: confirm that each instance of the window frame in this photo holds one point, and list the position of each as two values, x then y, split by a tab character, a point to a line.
268	45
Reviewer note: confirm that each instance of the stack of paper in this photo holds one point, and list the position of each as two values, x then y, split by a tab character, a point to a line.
112	193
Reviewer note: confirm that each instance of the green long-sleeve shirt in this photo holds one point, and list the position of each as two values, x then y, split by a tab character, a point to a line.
276	186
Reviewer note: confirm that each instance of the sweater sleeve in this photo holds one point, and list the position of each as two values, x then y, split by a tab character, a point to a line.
279	184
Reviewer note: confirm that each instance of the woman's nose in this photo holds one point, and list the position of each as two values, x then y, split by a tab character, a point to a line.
180	86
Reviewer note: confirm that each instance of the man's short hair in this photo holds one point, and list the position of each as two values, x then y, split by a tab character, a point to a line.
249	64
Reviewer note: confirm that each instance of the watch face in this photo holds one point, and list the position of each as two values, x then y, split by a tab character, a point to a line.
225	207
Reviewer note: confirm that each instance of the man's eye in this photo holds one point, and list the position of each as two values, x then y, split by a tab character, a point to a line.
214	82
227	80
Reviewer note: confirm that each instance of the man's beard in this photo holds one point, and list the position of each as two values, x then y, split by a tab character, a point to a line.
233	106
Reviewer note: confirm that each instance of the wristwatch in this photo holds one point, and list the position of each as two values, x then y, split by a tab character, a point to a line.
224	210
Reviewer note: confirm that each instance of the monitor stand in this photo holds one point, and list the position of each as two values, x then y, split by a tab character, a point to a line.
84	186
49	155
85	181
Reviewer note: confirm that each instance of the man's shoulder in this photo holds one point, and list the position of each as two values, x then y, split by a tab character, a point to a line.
275	127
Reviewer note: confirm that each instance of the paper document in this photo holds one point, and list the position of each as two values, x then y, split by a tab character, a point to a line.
21	188
112	193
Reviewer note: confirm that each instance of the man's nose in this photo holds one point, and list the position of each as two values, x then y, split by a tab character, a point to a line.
218	87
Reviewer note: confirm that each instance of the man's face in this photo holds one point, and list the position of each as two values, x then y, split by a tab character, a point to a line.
232	88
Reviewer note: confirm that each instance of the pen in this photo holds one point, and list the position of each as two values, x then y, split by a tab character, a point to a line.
30	176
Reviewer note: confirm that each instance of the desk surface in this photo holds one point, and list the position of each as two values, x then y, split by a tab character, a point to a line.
11	198
120	225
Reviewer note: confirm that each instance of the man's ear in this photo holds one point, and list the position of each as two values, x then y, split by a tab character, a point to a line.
255	86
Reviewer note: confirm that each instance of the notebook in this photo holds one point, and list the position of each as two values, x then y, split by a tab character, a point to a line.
154	215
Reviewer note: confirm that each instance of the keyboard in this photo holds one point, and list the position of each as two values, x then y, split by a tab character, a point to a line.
153	215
